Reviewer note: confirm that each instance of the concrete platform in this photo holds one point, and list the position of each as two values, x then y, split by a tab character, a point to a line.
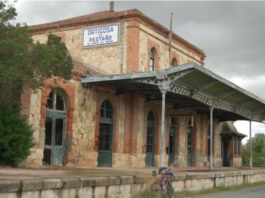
8	173
65	182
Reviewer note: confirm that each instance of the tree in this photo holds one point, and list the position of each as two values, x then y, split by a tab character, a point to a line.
16	135
258	150
24	63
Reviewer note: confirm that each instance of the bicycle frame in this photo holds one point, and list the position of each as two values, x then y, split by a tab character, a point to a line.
162	184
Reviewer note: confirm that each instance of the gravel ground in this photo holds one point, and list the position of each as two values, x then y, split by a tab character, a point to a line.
250	192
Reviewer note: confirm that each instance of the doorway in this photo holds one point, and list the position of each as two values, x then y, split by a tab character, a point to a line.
150	139
225	151
105	135
55	126
171	142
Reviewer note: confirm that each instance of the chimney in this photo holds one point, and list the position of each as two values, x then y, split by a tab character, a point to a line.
111	6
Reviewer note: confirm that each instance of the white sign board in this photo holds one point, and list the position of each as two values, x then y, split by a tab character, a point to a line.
101	35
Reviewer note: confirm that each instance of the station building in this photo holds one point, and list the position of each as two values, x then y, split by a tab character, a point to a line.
126	67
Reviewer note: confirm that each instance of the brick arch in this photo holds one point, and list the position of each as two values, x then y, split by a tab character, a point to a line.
69	90
153	45
100	101
173	55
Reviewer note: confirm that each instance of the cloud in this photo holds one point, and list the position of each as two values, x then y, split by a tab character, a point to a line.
244	127
230	33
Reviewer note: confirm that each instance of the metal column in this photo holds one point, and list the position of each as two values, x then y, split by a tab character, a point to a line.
211	139
162	145
250	146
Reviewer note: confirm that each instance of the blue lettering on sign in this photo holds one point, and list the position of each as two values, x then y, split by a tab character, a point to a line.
100	30
104	38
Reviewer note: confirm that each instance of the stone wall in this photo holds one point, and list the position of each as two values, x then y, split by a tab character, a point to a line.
122	186
129	128
163	58
131	55
105	58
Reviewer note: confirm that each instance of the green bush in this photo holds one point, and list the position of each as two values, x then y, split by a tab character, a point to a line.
16	136
258	151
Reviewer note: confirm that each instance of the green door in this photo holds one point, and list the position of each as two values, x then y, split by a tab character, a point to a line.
150	139
55	129
105	135
171	142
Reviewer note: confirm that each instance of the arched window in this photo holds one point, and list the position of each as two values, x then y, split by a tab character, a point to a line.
55	128
152	60
55	101
174	62
150	139
105	135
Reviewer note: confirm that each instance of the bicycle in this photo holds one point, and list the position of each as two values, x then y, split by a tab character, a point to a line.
162	185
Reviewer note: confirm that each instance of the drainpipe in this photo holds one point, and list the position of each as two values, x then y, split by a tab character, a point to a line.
211	139
250	146
121	60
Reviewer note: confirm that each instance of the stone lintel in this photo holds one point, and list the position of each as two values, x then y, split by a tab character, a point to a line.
114	181
52	184
70	183
182	176
88	182
10	186
140	180
220	174
32	185
174	177
231	174
102	181
126	179
201	176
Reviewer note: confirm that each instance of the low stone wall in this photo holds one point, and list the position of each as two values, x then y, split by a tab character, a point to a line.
120	187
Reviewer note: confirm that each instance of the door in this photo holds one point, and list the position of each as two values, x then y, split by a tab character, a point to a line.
171	142
54	130
150	139
189	145
105	135
225	151
105	145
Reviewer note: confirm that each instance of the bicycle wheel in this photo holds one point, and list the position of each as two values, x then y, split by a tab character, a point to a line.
155	190
170	189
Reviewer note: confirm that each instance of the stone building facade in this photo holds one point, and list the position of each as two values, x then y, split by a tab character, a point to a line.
94	126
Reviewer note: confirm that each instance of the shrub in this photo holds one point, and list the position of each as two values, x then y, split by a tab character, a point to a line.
16	136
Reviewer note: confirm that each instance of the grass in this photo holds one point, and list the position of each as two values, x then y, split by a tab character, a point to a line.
185	193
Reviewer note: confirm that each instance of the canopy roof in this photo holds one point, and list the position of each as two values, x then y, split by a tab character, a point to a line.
228	129
189	86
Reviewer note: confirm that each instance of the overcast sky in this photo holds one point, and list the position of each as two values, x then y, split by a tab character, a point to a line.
232	34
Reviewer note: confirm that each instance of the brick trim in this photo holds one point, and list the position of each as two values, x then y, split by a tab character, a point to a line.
69	89
153	45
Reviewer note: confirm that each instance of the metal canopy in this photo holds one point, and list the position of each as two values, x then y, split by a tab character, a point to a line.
189	86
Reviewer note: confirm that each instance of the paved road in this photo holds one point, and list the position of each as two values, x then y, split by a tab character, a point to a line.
251	192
